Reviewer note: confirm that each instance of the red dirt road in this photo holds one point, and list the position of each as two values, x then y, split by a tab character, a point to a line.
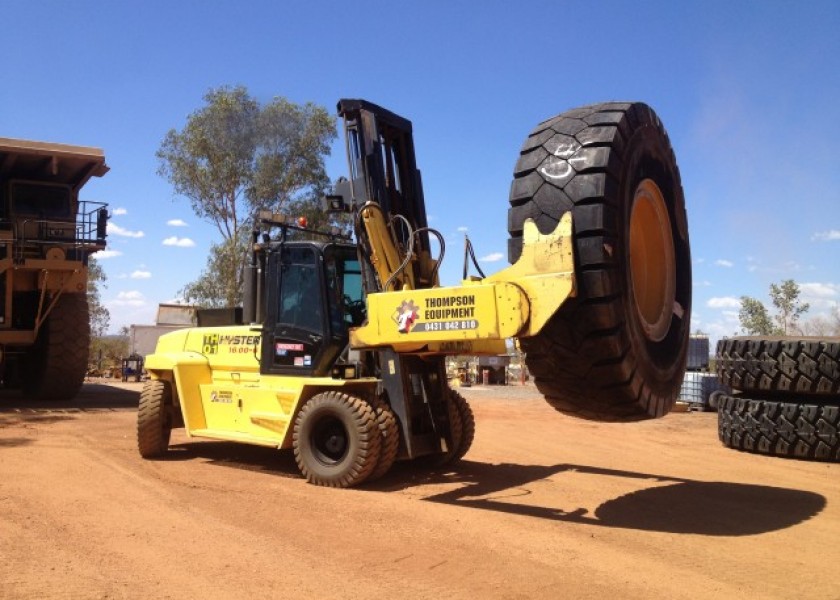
544	506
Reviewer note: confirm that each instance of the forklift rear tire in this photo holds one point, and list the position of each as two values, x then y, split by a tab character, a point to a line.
54	368
336	440
616	351
467	424
462	425
154	422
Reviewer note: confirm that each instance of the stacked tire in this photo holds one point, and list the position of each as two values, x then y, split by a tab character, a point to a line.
787	396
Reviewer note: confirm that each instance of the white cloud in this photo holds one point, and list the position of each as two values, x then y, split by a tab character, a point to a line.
791	265
176	223
103	254
826	236
463	229
119	211
130	298
820	290
114	229
822	297
179	242
138	274
724	263
704	283
723	302
494	257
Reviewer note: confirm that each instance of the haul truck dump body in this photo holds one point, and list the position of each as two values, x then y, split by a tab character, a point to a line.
46	237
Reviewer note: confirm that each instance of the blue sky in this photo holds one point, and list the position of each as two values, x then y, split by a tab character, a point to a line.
749	93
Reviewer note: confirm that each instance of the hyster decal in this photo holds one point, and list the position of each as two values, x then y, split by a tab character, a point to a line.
237	344
237	340
407	314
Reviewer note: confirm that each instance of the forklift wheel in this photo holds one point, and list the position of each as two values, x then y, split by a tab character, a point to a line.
467	424
336	440
462	425
617	350
389	431
154	424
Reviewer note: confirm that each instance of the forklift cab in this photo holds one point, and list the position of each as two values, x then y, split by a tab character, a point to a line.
315	296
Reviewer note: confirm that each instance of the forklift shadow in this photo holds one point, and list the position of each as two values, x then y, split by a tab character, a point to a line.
664	504
239	456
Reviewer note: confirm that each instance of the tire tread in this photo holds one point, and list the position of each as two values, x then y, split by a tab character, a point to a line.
583	360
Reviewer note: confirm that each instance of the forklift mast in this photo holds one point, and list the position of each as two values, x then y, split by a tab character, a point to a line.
386	194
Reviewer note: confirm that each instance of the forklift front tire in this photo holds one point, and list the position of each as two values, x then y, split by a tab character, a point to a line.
336	440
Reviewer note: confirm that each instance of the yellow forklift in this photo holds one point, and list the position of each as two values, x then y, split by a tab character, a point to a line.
340	352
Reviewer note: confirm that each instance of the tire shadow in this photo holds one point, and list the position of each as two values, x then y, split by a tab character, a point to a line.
92	397
670	505
14	442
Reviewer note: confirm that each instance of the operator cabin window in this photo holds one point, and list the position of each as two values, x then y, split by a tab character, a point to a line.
301	304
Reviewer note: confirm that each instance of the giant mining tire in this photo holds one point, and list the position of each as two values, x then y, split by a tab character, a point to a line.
788	429
763	366
336	440
616	351
154	418
54	367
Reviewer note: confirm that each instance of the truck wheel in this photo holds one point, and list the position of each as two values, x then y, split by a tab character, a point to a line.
54	368
809	431
154	422
775	364
617	350
389	433
336	440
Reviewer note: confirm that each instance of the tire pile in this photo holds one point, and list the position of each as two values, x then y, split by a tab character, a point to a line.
787	396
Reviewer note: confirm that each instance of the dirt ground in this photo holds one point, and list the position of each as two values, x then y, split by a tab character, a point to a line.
544	506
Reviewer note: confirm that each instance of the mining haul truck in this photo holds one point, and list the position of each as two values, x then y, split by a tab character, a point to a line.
340	351
46	237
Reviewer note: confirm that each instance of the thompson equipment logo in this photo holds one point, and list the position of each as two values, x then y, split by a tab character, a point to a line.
406	315
444	313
